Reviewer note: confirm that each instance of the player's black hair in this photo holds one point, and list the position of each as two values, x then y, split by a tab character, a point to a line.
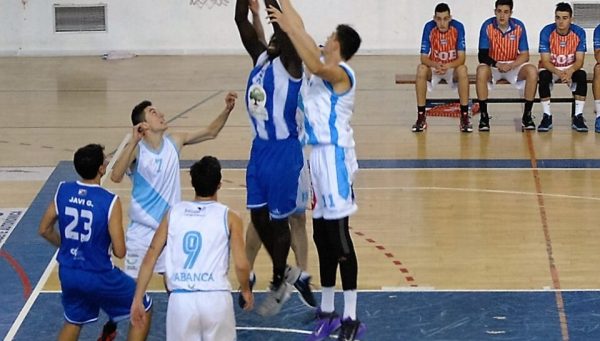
206	176
88	159
349	41
137	114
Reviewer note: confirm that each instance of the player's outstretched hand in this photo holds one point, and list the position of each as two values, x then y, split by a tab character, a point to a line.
230	100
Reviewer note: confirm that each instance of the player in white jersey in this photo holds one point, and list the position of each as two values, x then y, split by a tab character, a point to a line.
197	236
328	108
151	159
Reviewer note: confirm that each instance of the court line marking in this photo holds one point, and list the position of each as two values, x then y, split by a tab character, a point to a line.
42	281
24	210
273	329
560	305
493	191
406	289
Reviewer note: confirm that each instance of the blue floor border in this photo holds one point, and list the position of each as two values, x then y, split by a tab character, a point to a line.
388	315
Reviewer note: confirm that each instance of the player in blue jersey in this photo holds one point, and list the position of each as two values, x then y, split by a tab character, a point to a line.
196	237
151	159
596	82
90	226
328	108
297	220
276	154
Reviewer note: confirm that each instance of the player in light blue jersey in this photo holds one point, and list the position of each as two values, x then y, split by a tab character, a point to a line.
328	109
276	154
596	82
197	236
90	227
151	159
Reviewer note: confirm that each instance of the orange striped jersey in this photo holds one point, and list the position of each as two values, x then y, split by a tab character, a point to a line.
562	48
503	46
443	47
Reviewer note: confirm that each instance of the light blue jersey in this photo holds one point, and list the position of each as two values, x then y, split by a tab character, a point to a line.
327	113
197	249
271	100
83	212
156	183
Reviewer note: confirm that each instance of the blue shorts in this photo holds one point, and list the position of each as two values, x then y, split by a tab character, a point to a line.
272	175
84	293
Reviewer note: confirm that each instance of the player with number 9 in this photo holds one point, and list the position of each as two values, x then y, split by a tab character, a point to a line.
196	237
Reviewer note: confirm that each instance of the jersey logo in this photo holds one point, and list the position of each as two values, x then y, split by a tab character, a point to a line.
257	99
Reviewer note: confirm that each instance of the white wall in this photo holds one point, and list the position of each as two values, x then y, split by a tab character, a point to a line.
175	27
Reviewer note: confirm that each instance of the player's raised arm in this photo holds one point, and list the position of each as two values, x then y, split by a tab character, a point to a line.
248	34
213	129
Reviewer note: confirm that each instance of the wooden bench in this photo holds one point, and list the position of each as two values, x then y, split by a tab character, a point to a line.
410	79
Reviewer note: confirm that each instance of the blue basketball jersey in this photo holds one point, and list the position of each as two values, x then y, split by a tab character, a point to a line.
83	212
271	100
597	38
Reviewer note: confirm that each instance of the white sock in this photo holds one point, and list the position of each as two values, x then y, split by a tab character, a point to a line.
304	275
597	104
327	296
349	304
579	107
546	107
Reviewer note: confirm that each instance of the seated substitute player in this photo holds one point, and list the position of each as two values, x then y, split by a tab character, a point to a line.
442	58
596	83
504	54
562	50
197	237
90	225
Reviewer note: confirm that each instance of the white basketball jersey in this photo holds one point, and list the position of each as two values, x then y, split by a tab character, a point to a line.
197	250
156	184
328	114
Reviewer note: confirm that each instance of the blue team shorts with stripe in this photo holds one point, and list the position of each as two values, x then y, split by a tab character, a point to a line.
272	175
84	293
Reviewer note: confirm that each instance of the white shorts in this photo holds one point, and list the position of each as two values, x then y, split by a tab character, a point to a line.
200	315
303	197
555	78
137	241
332	170
511	76
448	77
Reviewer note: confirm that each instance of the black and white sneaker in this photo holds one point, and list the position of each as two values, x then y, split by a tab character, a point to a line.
527	122
484	122
546	124
579	124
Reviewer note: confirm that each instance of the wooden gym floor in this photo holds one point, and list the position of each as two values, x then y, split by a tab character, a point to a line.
440	210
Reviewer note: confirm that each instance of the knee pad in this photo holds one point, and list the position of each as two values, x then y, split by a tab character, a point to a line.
580	78
544	80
